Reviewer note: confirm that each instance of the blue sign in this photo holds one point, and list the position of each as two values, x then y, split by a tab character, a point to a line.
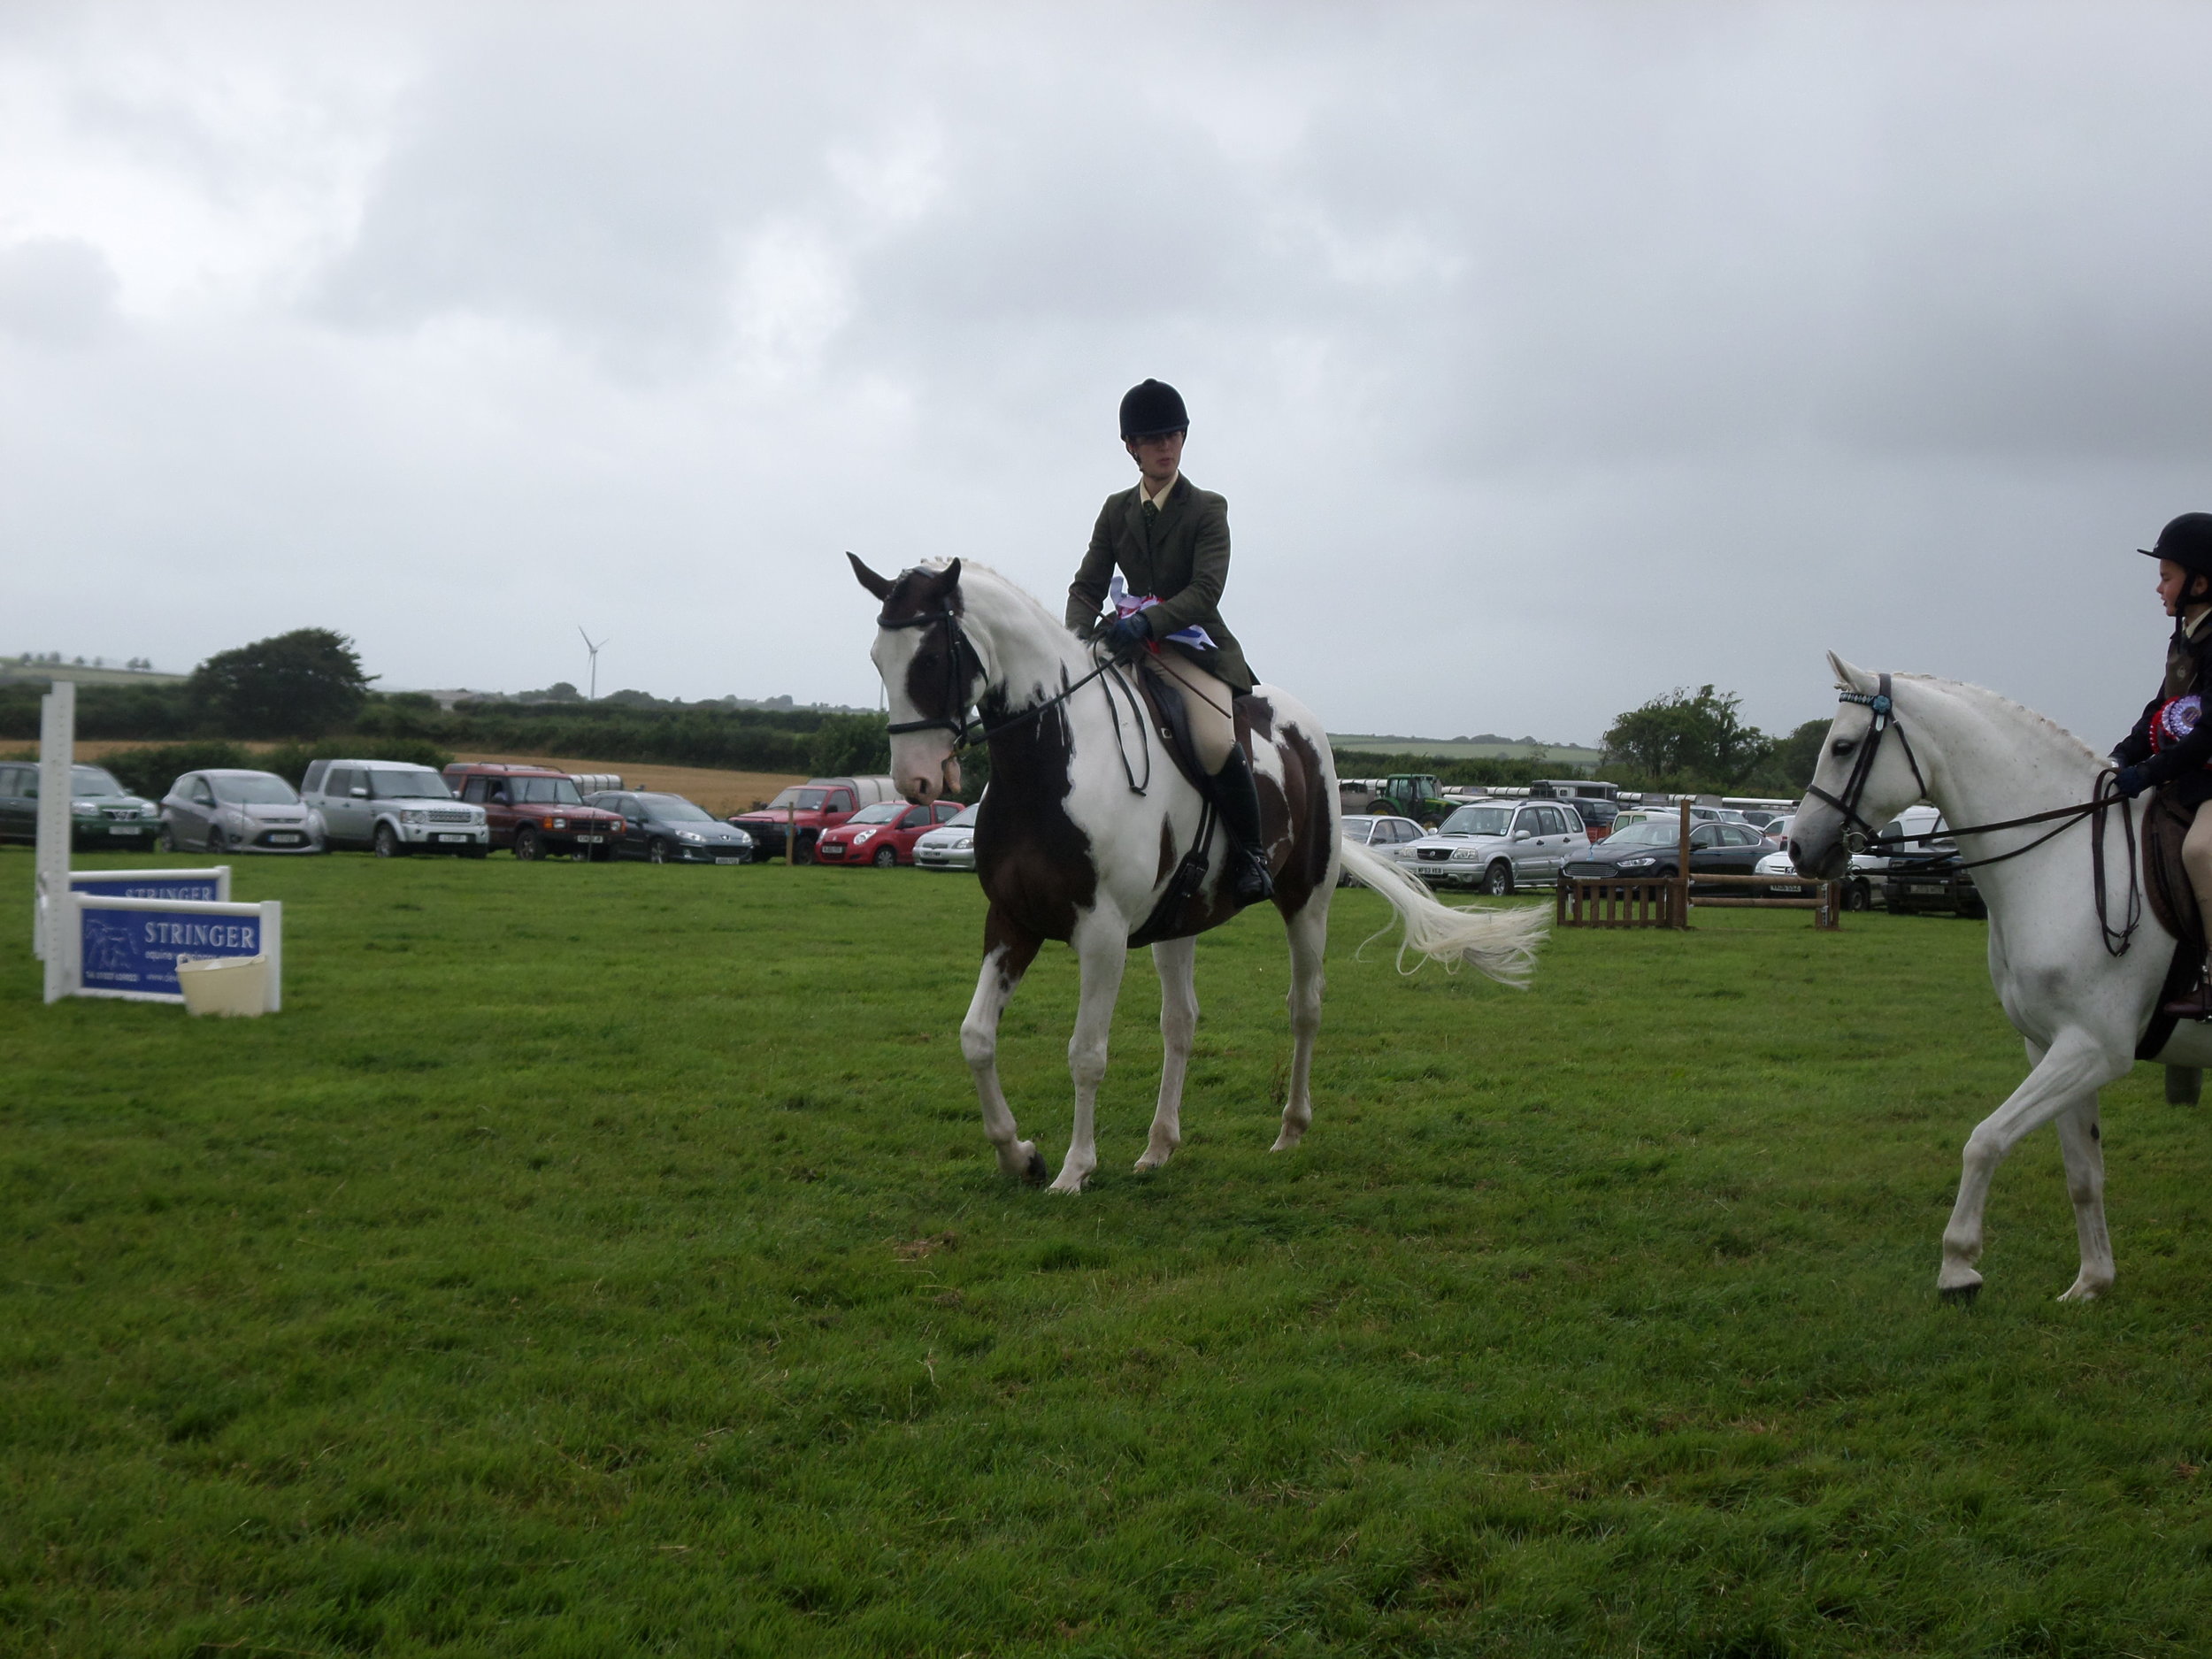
135	951
203	885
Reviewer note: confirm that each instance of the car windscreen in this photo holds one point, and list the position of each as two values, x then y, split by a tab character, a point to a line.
543	792
805	800
883	812
1478	820
258	788
1649	833
964	818
673	809
92	782
408	783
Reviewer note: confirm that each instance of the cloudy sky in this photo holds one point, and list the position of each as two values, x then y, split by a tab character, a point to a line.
1549	356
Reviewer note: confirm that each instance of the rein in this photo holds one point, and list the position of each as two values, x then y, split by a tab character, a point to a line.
967	734
1861	836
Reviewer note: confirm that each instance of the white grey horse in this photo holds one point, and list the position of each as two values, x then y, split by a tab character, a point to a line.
2081	1008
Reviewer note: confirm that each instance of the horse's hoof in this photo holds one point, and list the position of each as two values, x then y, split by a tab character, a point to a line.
1035	1172
1069	1184
1286	1141
1961	1295
2080	1291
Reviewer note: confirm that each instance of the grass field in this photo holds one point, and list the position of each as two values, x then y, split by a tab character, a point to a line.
606	1260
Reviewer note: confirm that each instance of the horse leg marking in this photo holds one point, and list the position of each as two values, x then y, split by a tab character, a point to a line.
1007	956
1309	932
2067	1078
2078	1140
1101	946
1177	961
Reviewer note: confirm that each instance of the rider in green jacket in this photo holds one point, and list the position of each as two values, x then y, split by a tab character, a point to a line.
1170	541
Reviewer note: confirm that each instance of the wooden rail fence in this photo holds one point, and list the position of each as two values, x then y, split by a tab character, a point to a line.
1618	902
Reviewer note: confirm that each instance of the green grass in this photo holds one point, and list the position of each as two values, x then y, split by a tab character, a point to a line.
607	1260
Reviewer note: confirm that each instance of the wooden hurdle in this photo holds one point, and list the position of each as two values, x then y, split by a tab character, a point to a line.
1611	902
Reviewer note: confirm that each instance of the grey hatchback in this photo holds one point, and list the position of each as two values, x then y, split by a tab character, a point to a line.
227	809
666	829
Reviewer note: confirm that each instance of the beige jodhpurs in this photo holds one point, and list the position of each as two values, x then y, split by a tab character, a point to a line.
1213	728
2196	858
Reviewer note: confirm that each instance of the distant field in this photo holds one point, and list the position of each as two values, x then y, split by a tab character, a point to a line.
605	1259
1384	745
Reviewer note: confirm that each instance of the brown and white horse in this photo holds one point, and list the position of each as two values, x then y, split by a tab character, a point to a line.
1085	822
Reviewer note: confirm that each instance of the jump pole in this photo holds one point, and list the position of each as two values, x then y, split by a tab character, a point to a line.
56	752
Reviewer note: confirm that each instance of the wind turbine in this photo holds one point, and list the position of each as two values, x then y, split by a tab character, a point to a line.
594	649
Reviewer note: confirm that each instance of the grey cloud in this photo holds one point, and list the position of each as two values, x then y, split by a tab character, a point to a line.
56	291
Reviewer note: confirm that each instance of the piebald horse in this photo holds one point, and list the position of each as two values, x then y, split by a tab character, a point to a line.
2071	983
1085	822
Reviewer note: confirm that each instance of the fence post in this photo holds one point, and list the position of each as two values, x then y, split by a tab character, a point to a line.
1829	913
1682	911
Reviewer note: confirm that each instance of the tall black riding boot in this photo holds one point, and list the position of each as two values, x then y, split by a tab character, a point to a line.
1237	800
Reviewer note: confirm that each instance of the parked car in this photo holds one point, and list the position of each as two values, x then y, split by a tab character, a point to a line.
101	812
951	846
1389	835
231	809
1597	816
811	808
883	834
1651	851
534	810
1499	845
391	807
1935	881
666	829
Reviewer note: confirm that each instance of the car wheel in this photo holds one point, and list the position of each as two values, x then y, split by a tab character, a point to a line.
656	852
388	844
805	855
215	841
528	848
1499	880
1858	896
167	840
886	857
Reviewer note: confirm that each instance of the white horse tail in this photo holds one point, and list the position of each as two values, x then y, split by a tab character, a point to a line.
1501	943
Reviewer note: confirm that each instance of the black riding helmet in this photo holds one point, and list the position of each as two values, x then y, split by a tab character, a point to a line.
1155	409
2187	540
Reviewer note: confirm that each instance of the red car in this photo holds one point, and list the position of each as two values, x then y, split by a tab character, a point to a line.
882	835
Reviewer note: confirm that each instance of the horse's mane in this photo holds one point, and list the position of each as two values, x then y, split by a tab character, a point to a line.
2043	723
997	582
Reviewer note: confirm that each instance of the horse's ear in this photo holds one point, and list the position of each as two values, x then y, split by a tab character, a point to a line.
879	586
1850	678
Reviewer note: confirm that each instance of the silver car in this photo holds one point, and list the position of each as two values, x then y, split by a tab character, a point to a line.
229	809
951	846
1498	846
1391	837
393	808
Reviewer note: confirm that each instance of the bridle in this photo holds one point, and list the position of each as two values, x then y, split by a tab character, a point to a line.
1859	836
967	734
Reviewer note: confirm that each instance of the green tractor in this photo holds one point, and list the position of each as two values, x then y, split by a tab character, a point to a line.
1414	795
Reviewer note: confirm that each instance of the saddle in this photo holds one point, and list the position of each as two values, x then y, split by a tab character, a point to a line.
2174	902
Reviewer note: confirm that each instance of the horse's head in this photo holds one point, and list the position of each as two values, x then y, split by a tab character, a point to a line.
1876	789
931	674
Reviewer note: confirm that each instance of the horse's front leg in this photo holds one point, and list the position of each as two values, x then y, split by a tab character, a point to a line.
1102	950
1007	953
2067	1077
1177	960
1308	946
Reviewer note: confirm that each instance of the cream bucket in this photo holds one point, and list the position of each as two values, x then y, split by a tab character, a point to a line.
225	985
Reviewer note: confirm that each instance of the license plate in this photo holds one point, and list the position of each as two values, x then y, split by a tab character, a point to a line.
1918	888
591	841
729	861
464	840
123	829
1786	892
284	839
